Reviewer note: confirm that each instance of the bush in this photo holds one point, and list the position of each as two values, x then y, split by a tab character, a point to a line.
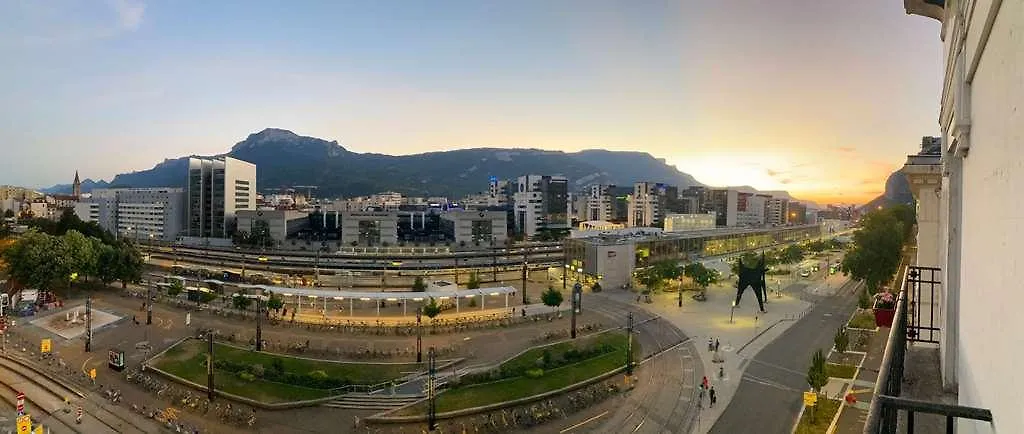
246	376
534	373
277	366
546	357
257	370
863	300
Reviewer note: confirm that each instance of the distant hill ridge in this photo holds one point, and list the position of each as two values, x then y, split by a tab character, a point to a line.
285	159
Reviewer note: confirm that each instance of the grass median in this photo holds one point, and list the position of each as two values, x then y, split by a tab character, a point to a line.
536	382
864	319
272	377
817	419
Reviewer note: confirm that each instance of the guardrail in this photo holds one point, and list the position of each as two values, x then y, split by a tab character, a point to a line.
884	413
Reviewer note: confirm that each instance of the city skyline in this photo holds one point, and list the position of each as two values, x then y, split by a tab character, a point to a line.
694	84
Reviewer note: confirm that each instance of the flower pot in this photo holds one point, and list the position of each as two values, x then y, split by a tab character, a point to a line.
884	317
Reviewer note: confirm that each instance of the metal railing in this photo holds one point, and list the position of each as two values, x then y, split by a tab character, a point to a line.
883	415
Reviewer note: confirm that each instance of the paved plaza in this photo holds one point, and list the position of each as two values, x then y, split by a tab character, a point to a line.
69	323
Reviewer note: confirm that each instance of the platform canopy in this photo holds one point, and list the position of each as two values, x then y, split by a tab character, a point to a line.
388	296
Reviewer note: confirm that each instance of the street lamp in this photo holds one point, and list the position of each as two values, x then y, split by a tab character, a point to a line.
419	334
577	293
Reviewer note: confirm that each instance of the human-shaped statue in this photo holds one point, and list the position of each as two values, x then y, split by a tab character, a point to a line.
754	278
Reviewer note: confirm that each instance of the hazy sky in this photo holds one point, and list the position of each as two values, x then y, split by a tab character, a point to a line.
823	98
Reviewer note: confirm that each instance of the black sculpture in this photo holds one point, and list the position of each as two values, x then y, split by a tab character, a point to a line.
752	277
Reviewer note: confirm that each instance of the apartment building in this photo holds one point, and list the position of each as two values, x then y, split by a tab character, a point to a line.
778	211
541	203
136	213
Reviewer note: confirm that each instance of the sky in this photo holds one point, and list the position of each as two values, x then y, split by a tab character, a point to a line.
821	98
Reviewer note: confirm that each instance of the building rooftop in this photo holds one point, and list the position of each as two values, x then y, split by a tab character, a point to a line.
611	239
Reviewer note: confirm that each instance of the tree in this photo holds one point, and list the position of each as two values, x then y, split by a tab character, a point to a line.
817	377
76	254
552	297
129	264
474	281
32	260
107	263
701	275
175	288
841	340
418	285
431	309
653	276
274	302
240	301
877	250
791	254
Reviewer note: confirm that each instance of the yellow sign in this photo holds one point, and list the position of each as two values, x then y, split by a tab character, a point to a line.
92	373
24	424
44	346
810	398
39	429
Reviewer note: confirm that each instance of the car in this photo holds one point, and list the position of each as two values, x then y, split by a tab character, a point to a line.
805	273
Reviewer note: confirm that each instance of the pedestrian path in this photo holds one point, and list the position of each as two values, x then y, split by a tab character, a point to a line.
853	413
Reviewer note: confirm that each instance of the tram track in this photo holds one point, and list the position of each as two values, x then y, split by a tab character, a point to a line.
49	397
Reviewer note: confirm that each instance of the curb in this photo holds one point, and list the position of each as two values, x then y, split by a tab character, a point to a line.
22	362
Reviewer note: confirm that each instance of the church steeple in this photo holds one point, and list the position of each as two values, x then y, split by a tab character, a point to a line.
76	187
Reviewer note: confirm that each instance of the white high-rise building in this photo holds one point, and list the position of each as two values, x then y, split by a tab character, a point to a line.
778	208
136	213
599	203
644	209
216	188
542	203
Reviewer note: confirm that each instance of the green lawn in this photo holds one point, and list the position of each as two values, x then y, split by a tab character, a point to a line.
522	387
864	319
840	371
822	413
529	358
188	361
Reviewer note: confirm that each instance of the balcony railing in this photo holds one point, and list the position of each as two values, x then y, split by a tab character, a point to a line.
917	294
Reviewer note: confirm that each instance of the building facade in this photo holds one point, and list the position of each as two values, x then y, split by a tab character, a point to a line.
542	203
644	206
475	227
143	214
369	228
216	189
689	222
978	215
778	212
281	224
797	213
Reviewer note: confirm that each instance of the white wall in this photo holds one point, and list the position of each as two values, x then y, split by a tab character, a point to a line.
992	264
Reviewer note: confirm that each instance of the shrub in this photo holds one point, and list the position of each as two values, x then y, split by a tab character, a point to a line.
841	340
277	366
863	300
246	376
257	370
534	373
546	357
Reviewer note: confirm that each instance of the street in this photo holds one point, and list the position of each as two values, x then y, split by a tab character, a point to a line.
769	395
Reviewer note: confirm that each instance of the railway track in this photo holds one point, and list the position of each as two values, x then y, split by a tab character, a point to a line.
46	401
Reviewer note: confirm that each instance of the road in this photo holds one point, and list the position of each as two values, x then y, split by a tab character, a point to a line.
663	398
769	395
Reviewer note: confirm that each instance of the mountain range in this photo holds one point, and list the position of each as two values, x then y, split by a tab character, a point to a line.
284	159
897	191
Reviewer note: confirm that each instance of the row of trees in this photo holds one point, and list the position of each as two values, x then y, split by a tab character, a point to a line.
654	276
878	245
41	260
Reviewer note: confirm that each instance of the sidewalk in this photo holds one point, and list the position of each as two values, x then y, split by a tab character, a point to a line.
740	338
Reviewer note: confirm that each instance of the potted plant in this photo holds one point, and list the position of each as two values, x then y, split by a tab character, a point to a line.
885	309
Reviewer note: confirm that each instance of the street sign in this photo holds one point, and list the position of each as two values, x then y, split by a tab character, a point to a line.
810	399
21	403
44	346
24	424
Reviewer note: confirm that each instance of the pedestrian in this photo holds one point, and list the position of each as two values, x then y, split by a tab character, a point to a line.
721	372
711	394
711	345
700	398
704	383
716	345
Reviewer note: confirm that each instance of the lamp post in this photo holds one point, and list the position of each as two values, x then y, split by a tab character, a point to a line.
577	293
419	334
525	264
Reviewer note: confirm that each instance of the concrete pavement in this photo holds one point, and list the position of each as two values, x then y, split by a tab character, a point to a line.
766	394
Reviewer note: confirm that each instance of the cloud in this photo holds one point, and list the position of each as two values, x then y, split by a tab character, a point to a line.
772	173
785	181
845	149
129	13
